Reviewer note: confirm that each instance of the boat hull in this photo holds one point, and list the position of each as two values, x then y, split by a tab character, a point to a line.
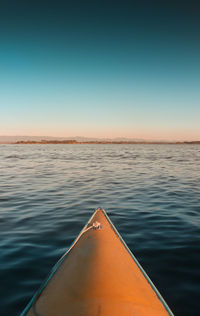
98	276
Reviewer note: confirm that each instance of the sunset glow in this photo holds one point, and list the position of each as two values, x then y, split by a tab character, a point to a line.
86	74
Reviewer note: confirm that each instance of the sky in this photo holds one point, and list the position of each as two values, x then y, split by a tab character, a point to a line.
100	69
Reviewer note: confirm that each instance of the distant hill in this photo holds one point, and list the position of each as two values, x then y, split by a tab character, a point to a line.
14	139
80	140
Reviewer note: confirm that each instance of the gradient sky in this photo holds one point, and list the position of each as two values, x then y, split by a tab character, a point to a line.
100	69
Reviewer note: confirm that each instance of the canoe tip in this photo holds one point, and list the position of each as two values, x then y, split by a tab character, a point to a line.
99	209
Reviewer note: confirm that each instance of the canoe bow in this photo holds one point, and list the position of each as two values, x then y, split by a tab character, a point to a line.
98	275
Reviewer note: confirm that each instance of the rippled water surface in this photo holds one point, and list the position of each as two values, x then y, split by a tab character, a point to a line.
150	192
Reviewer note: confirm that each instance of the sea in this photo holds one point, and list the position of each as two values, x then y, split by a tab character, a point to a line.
150	192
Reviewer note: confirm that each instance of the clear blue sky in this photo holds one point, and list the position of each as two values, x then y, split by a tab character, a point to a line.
100	69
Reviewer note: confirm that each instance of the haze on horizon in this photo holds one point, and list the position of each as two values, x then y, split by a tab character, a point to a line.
103	70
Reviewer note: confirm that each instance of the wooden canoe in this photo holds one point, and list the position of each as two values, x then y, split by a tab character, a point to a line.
97	276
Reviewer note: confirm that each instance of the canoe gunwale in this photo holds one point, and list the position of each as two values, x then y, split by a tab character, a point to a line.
140	267
54	269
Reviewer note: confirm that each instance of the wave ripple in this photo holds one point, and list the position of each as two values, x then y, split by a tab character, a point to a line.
151	192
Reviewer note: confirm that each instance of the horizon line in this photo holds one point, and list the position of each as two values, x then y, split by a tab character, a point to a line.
122	138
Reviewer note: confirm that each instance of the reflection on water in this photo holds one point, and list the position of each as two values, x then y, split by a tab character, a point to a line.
151	193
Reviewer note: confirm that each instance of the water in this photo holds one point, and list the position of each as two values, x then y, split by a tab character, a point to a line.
151	193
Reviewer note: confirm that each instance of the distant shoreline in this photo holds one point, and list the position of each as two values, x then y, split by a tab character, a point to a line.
75	142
